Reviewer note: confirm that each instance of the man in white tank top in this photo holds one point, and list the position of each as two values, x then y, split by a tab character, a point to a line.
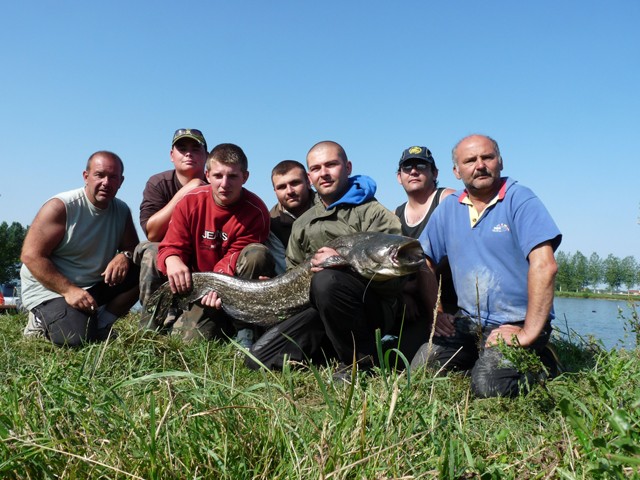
77	274
418	175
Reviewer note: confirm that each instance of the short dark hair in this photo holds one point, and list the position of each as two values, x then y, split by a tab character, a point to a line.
105	153
286	166
228	154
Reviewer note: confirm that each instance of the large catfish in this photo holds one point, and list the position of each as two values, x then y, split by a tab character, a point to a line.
373	255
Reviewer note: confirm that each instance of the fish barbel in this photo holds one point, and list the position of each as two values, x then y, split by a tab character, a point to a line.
373	255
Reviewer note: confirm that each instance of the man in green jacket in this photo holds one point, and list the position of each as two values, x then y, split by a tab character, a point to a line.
346	309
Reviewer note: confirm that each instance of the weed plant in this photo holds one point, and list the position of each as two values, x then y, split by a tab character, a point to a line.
152	407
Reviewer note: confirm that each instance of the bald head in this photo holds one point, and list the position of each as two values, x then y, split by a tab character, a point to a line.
329	170
473	137
328	144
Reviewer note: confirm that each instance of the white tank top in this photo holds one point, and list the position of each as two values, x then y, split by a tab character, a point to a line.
90	242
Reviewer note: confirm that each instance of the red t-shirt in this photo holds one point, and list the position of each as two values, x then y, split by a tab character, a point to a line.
209	237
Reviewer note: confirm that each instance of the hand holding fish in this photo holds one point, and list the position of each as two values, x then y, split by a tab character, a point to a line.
373	255
178	274
212	300
321	256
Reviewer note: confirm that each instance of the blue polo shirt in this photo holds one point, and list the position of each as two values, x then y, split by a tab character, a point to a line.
488	254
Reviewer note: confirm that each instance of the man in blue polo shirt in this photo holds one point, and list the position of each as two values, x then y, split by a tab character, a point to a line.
500	242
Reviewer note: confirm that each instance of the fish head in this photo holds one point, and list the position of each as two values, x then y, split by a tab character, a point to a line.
383	256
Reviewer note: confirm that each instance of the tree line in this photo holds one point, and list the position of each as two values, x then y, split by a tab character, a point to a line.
578	273
11	239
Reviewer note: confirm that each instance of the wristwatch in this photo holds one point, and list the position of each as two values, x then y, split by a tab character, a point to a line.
127	254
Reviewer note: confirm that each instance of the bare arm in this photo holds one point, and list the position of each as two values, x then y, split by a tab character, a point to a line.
159	222
42	238
540	285
117	269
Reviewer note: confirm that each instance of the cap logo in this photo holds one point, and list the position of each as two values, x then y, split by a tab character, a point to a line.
415	150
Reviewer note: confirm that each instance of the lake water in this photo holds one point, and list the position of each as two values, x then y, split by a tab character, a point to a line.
596	317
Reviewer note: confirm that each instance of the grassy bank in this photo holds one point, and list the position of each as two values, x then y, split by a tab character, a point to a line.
146	406
605	296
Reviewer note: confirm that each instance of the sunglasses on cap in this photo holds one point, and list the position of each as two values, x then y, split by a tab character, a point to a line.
188	131
419	166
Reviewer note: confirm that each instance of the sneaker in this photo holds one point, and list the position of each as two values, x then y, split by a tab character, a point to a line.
245	337
34	328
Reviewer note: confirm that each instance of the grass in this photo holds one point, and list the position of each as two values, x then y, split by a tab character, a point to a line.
604	296
153	407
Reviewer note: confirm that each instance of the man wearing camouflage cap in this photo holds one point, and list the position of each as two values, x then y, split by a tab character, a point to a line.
161	194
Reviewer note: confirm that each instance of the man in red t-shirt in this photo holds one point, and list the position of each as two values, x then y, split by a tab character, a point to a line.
218	228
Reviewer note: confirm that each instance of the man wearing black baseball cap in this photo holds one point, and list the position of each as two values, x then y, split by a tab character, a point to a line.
418	175
161	194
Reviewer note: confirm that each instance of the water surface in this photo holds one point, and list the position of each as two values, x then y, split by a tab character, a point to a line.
596	317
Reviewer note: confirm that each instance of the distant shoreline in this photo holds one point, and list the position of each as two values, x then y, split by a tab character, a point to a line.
604	296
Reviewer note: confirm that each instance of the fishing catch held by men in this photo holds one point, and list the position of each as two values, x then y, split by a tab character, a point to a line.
373	255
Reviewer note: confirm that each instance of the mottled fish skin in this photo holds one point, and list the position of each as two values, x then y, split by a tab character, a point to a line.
373	255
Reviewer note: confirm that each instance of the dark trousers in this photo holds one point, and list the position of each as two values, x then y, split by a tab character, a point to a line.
344	312
64	325
492	374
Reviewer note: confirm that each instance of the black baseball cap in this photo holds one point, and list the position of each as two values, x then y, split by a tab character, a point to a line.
419	153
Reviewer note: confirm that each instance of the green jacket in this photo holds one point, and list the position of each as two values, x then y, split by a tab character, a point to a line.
317	226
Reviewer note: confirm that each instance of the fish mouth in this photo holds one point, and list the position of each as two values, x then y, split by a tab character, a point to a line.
409	256
397	260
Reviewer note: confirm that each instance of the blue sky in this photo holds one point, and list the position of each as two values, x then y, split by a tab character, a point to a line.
555	83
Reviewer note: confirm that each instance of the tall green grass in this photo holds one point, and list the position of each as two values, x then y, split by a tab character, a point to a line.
148	406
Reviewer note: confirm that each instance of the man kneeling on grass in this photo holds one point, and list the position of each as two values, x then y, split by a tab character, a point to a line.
77	274
499	239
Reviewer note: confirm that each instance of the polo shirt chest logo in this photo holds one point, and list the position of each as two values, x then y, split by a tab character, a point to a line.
500	228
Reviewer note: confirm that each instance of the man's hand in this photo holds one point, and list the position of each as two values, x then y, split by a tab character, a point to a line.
212	300
158	223
178	274
444	326
507	333
190	185
80	299
320	256
116	270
